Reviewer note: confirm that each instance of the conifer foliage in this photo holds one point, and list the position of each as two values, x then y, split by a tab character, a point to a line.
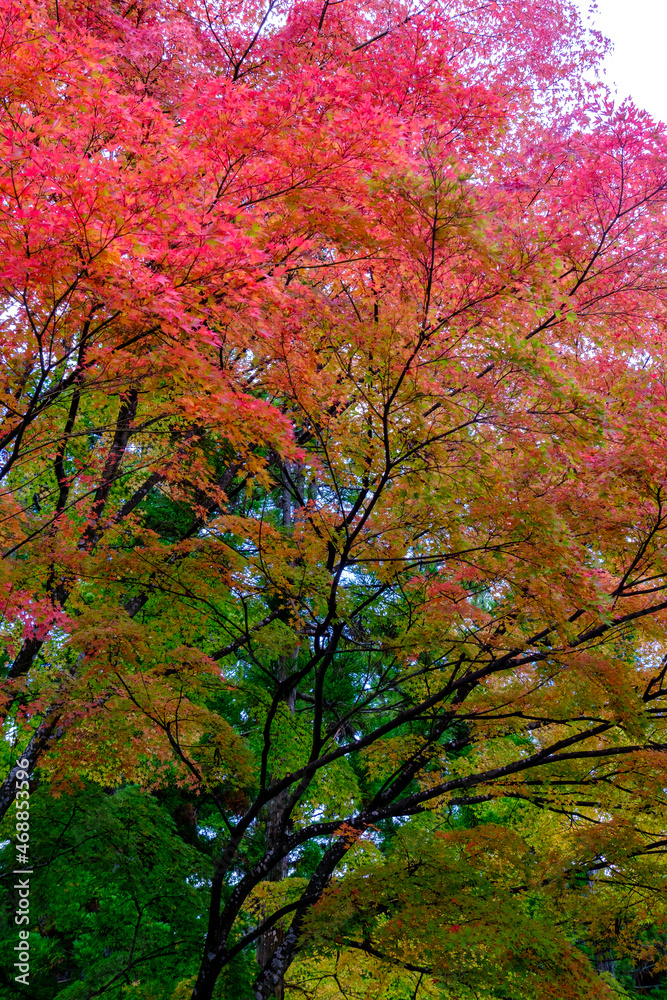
334	495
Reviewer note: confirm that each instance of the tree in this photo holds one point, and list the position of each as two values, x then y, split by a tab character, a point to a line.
334	470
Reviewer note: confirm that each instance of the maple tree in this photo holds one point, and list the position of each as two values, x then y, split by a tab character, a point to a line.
333	500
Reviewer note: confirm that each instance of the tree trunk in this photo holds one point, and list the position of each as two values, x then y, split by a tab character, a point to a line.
273	938
269	942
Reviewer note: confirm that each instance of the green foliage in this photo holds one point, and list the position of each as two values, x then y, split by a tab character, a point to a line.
117	897
170	519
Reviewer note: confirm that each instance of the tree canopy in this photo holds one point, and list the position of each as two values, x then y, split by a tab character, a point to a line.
334	489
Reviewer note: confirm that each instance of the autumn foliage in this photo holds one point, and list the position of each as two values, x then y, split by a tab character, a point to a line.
334	485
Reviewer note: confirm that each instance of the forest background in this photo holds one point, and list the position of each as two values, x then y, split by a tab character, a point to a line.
333	576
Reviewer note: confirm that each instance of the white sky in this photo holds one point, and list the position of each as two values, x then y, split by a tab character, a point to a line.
638	64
